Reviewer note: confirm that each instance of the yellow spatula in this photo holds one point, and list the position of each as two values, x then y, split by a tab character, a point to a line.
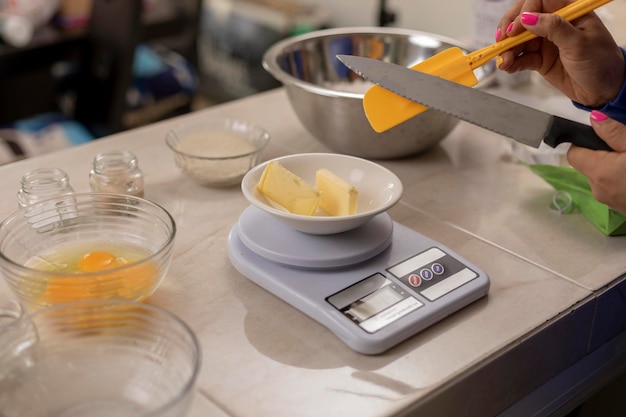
385	109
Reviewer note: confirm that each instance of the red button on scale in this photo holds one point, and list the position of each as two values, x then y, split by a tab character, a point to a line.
415	280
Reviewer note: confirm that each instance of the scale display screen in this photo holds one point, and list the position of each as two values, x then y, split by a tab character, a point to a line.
377	301
374	302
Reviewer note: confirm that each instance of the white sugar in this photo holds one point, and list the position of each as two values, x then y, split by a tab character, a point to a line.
216	144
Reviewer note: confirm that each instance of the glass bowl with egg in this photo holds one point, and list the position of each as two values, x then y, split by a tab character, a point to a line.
217	152
86	246
322	193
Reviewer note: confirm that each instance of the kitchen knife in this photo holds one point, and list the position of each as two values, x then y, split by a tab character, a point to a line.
524	124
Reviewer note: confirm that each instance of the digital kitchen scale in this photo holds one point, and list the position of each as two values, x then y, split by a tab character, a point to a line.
373	286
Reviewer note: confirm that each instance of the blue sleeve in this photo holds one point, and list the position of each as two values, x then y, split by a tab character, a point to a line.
615	109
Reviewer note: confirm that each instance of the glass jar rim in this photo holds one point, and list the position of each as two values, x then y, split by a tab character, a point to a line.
115	161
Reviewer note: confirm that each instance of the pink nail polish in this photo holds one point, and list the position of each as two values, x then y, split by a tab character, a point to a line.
498	34
509	27
529	18
598	116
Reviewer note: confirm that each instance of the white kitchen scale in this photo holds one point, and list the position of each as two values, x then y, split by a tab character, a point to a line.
373	286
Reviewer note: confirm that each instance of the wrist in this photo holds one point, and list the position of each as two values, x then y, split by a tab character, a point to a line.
616	108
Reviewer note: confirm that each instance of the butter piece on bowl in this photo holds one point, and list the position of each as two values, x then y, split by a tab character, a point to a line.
289	190
339	198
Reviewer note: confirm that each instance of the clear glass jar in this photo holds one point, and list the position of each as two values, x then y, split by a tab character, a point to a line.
116	172
41	184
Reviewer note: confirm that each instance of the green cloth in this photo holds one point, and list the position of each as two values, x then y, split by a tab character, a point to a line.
567	179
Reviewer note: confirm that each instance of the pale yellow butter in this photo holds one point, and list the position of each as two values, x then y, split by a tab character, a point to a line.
339	198
287	189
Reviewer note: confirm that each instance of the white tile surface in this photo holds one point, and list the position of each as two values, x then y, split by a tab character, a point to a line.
262	357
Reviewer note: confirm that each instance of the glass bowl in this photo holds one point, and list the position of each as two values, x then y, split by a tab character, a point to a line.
86	246
217	152
98	358
378	188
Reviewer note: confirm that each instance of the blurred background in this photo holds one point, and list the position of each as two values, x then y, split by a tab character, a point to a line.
75	70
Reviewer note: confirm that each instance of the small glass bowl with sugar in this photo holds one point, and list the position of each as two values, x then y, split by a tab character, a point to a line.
217	152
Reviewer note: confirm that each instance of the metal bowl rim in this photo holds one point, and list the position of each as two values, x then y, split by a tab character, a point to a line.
270	56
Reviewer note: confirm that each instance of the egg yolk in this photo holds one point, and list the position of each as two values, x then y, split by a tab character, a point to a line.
99	261
134	282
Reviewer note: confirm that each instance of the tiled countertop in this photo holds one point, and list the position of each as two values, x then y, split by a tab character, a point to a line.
261	357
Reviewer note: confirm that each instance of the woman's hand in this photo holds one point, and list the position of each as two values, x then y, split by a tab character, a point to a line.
606	171
579	58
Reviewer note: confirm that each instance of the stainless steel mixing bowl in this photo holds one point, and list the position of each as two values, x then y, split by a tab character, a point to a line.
327	96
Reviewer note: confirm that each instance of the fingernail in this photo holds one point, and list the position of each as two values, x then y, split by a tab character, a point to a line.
498	34
598	116
509	27
529	18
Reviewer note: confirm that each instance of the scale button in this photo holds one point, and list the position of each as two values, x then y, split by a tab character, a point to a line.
415	280
426	274
437	268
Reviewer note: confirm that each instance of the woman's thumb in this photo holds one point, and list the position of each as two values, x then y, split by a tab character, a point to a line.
609	130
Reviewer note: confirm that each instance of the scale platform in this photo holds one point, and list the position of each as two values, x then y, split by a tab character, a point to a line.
373	287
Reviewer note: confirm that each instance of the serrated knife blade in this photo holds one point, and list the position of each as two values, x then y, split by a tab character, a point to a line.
508	118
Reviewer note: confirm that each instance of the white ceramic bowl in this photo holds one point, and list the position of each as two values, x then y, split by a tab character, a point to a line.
379	190
217	152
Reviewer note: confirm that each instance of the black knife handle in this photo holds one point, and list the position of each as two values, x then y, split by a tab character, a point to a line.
563	130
